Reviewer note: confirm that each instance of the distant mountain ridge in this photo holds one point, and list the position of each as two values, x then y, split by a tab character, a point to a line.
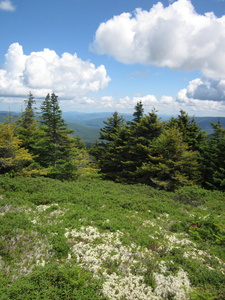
87	125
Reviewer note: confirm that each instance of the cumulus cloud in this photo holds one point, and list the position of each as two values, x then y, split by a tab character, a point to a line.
203	89
128	103
7	5
174	36
203	95
43	72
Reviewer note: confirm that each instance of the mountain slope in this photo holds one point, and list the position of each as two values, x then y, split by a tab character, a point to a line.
93	239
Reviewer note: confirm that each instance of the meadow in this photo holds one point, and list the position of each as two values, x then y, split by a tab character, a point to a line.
95	239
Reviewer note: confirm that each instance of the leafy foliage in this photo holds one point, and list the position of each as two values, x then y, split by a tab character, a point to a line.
13	157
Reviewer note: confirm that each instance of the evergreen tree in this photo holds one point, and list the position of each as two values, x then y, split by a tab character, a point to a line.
105	151
125	145
213	163
192	133
139	137
138	113
170	163
13	157
148	128
108	132
56	147
27	126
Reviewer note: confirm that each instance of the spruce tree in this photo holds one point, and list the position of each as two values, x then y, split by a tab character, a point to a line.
56	147
106	150
27	126
136	146
170	163
192	133
108	132
213	163
138	112
125	146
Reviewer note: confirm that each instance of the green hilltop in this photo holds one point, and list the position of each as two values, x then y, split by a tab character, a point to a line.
95	239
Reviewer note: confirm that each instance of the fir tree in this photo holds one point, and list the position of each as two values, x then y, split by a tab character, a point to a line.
139	137
138	113
213	163
27	126
192	133
56	147
170	163
105	151
108	132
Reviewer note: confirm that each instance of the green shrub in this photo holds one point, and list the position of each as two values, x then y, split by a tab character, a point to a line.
190	195
60	246
13	220
209	229
201	294
52	282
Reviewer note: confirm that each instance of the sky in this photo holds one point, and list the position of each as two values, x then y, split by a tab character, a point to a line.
105	56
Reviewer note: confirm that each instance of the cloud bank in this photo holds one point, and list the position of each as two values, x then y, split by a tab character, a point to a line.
7	5
174	36
43	72
164	105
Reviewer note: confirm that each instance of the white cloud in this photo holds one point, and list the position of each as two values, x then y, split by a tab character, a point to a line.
167	100
174	36
127	104
203	89
203	95
7	5
42	72
165	105
107	101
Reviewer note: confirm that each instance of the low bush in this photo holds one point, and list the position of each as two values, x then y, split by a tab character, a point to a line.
52	282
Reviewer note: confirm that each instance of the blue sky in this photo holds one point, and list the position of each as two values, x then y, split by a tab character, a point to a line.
100	55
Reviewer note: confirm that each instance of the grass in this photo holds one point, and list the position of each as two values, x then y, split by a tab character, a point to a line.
94	239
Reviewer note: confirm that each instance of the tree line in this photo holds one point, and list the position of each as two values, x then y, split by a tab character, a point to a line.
166	155
43	145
